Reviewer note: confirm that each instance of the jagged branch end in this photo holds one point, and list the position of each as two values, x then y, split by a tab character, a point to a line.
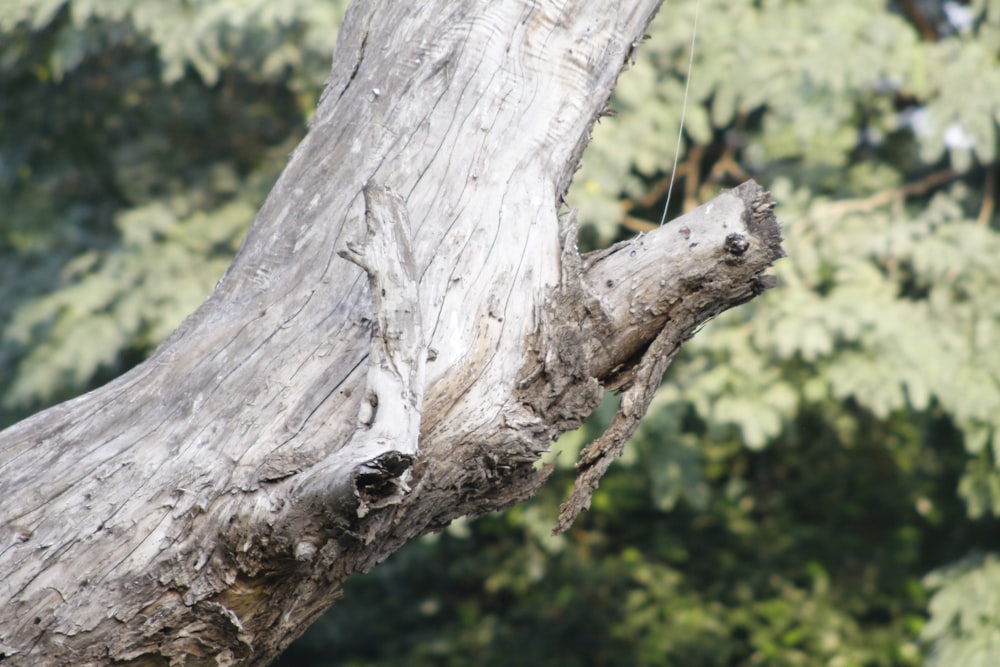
622	314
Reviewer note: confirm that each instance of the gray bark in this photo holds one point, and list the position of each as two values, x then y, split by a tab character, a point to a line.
406	328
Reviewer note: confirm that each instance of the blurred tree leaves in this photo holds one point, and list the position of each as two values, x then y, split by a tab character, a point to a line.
965	613
816	482
138	141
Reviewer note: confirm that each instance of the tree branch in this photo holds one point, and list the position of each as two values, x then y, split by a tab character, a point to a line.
636	303
989	195
898	194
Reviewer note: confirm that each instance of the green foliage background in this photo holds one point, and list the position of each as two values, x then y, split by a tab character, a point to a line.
817	482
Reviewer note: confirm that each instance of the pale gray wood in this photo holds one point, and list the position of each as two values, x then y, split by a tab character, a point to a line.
205	507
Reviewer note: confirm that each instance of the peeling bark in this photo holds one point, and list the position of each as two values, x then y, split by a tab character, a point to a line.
376	362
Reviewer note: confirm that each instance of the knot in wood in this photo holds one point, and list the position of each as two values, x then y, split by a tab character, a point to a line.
736	244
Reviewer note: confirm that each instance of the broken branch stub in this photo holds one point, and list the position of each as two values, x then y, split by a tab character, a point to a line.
643	298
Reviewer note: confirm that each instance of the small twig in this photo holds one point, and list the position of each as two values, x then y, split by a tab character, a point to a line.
692	178
727	165
919	19
989	196
655	193
637	224
884	197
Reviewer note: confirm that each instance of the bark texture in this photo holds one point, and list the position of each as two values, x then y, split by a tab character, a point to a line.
406	328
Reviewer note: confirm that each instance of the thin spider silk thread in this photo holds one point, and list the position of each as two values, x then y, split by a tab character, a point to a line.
684	104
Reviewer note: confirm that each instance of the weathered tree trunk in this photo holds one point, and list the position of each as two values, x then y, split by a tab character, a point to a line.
406	328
